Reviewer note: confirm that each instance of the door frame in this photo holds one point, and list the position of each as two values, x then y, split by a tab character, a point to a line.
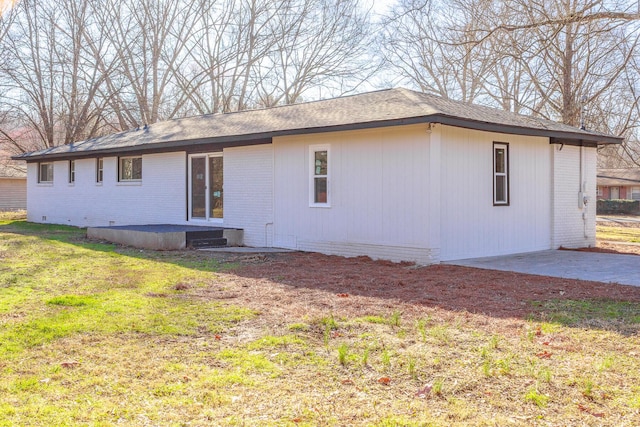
207	217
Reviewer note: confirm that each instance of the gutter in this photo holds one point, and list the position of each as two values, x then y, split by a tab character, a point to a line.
218	143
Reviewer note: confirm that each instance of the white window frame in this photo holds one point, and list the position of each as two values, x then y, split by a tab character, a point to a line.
501	146
40	179
120	169
72	172
99	170
599	191
631	192
207	218
313	149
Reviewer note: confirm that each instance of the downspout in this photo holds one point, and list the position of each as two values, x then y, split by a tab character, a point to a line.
582	197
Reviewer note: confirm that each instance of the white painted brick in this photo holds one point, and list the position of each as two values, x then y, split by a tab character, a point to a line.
159	199
248	192
570	229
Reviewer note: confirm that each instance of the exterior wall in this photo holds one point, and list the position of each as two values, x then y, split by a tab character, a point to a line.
573	226
471	225
13	194
625	192
248	192
160	198
378	190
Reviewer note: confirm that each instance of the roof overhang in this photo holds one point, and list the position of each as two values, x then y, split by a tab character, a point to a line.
218	143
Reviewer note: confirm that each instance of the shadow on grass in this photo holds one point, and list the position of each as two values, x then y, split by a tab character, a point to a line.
497	294
77	236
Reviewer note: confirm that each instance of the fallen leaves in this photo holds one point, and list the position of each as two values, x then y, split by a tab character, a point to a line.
424	391
70	364
384	380
544	355
343	295
590	411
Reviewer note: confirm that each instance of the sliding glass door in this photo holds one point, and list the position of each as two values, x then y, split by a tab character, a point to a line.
206	187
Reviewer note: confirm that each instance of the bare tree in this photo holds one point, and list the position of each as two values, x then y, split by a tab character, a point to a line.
50	84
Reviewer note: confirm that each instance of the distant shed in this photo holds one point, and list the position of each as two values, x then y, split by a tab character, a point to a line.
13	188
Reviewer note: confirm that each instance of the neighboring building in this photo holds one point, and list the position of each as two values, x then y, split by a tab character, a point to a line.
392	174
13	186
619	184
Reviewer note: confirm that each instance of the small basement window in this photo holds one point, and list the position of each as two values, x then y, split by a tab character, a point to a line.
130	169
72	171
500	174
45	172
99	167
319	177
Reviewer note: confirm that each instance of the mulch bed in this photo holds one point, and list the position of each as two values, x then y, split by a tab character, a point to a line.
294	284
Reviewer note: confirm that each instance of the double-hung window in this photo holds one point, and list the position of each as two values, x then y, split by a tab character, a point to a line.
634	193
319	176
500	174
130	169
99	168
45	172
72	171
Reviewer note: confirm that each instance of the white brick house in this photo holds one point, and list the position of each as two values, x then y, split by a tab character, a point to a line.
391	174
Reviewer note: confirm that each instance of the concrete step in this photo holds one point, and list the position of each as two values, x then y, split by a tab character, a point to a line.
210	242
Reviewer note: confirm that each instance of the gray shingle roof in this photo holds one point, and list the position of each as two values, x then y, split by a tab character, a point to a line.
373	109
618	177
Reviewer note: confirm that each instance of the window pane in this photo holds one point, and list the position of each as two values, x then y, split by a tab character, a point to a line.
131	168
136	168
320	163
216	187
198	187
501	189
320	194
500	160
46	172
99	171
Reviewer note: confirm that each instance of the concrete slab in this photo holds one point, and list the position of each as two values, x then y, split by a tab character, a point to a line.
160	236
598	267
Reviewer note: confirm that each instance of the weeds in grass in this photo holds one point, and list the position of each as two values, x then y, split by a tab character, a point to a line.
486	368
299	327
394	320
606	364
544	375
495	340
385	358
535	397
343	353
421	326
365	356
440	333
438	386
411	367
587	388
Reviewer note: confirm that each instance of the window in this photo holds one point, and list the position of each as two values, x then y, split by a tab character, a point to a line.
599	191
130	169
319	179
45	172
99	169
72	171
634	193
500	174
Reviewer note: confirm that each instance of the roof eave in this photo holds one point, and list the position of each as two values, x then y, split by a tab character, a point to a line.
195	145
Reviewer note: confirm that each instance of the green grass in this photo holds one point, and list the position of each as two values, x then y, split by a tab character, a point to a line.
619	233
97	334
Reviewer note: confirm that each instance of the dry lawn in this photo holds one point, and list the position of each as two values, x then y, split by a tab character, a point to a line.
99	334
